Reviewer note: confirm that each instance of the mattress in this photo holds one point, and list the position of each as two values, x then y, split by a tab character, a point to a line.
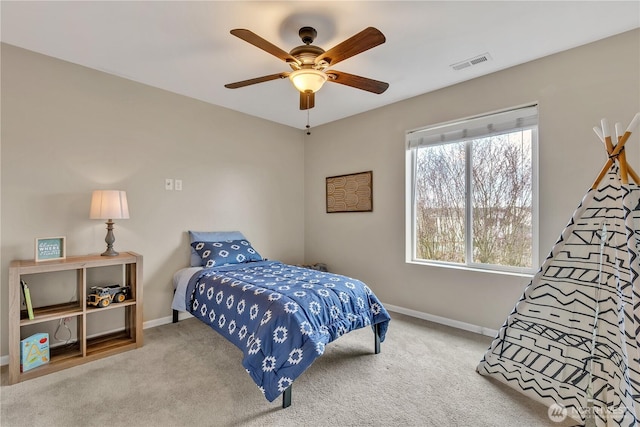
180	282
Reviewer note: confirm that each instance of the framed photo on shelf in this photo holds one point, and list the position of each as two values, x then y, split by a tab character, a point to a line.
50	248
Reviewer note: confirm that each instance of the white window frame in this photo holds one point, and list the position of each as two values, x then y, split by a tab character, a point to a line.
471	128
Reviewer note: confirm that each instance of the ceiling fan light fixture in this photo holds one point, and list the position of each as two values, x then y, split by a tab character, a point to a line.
308	79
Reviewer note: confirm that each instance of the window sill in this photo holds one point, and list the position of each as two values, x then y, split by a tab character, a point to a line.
526	274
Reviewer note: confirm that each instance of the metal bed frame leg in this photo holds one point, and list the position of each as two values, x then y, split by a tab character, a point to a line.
286	397
175	312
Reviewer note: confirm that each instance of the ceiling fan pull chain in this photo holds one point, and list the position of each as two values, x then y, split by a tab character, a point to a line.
308	126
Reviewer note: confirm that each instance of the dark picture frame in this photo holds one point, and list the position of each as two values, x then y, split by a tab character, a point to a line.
350	193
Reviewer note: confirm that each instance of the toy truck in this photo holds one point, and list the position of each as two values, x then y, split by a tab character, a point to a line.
102	296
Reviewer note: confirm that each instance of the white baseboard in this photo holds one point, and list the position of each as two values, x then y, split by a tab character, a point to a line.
4	360
443	320
413	313
164	320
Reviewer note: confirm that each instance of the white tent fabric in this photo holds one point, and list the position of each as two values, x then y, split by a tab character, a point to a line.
572	341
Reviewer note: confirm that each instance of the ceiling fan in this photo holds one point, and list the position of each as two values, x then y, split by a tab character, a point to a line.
310	63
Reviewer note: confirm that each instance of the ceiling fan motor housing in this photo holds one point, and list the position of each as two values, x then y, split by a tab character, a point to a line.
306	54
307	34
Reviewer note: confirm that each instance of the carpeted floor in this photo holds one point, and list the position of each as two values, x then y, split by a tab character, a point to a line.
188	375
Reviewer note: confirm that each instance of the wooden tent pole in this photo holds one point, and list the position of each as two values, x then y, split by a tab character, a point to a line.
614	154
624	175
602	173
633	174
607	136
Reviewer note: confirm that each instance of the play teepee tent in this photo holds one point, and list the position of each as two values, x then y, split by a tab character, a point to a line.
572	341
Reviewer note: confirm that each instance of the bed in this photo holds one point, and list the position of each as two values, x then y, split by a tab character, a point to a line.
281	316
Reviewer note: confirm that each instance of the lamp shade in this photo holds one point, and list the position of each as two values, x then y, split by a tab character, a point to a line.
308	79
109	204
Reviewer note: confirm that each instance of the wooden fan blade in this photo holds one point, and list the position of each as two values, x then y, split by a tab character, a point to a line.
358	82
364	40
262	79
307	100
263	44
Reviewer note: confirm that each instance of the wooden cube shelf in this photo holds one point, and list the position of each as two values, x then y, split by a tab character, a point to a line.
83	349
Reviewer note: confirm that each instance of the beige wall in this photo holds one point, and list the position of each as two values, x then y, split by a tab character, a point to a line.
574	89
67	130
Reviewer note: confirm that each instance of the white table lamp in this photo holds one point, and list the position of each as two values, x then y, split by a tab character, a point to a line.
109	205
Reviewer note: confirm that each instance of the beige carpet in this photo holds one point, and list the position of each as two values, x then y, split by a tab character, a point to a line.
187	375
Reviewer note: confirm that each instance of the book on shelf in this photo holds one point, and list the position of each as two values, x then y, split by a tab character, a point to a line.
34	351
27	298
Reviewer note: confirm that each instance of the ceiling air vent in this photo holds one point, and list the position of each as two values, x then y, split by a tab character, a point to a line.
473	61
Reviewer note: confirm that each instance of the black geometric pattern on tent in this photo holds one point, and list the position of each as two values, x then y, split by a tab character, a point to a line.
548	347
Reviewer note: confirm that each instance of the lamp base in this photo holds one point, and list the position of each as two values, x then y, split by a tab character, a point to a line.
109	240
110	252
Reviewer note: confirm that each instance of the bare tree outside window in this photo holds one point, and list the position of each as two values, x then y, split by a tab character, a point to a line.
440	202
484	182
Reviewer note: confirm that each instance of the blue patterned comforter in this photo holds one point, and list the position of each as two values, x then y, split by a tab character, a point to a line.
281	316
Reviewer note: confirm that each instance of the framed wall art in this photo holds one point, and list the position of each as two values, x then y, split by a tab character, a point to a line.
50	248
350	193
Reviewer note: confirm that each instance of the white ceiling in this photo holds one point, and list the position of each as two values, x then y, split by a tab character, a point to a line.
185	47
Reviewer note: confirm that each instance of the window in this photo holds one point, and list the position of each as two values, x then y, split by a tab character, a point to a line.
472	192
